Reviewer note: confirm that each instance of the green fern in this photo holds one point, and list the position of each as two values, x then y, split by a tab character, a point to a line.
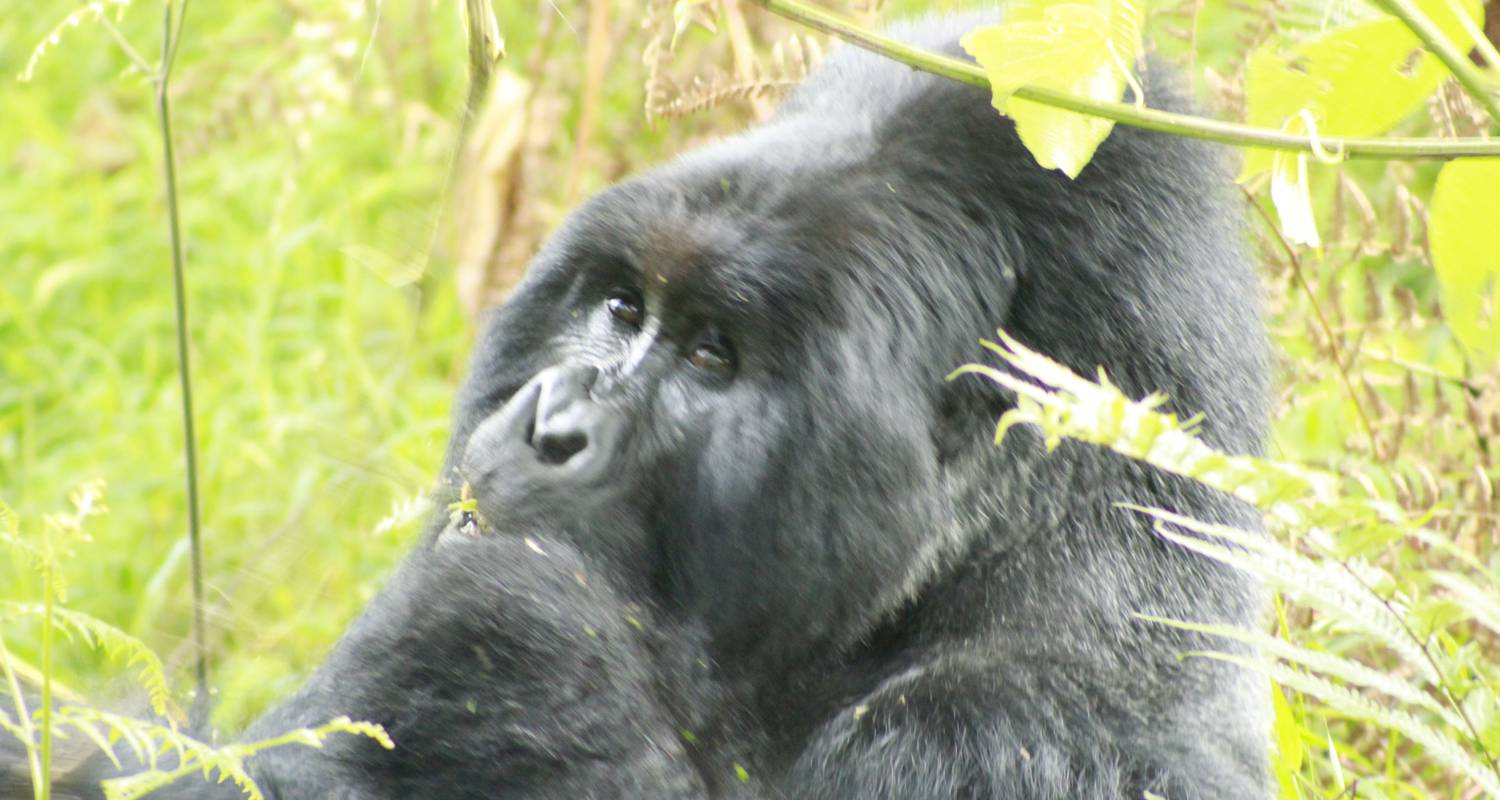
118	645
1321	585
1383	649
150	742
95	10
1344	669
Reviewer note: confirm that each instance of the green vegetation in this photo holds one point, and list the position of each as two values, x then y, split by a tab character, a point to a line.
322	382
333	289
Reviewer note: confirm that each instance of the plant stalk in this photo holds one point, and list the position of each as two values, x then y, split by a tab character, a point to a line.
1212	130
169	39
43	787
1475	83
23	720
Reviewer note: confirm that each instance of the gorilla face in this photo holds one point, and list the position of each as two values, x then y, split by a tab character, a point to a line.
681	390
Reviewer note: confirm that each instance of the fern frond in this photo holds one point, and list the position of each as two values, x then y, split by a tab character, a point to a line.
89	729
1348	701
1320	663
95	10
1315	584
136	734
153	743
1065	405
25	551
118	645
657	19
1323	520
402	513
1481	604
790	62
9	726
706	93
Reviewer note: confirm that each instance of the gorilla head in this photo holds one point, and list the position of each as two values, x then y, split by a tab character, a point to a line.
725	377
713	395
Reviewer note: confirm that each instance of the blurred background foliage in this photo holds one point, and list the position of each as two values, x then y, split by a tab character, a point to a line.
334	290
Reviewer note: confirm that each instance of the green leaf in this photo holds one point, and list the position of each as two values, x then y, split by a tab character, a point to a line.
1465	208
1355	81
1431	615
1286	735
1084	48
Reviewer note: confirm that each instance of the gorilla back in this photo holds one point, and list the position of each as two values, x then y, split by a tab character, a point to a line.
737	536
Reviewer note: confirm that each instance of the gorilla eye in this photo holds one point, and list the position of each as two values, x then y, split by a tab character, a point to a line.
713	354
626	306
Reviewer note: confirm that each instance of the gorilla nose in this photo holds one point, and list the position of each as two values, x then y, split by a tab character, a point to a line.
565	413
551	432
558	447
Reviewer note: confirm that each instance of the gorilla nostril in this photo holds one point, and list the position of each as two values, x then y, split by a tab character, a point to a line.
557	448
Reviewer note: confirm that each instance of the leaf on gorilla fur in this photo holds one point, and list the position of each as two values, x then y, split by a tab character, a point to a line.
1465	207
1085	48
1358	80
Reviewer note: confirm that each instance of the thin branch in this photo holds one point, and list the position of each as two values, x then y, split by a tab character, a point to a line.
486	47
1126	114
169	54
45	710
1482	44
23	720
170	33
1335	352
131	54
1474	82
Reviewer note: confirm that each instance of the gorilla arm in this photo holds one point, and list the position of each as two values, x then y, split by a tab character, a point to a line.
493	662
504	666
962	725
500	666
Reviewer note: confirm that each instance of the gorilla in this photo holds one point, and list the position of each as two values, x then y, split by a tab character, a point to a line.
734	534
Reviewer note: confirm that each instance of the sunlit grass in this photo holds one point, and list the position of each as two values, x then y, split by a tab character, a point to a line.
322	388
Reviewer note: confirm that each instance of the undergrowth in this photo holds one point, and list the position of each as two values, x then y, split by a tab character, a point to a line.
332	308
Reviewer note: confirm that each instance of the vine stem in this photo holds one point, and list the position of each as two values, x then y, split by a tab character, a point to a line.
486	46
171	32
1474	82
1335	350
1393	149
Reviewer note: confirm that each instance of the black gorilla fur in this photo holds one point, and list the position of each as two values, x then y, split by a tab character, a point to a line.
740	537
